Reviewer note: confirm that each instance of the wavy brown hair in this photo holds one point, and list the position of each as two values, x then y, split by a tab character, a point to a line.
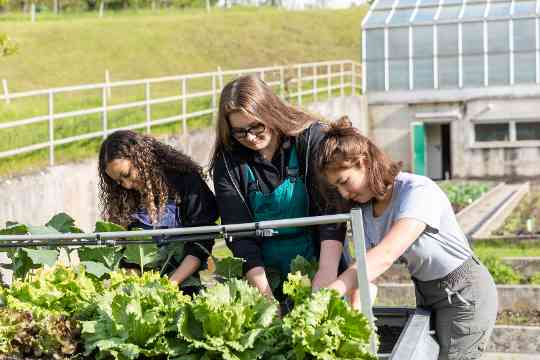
344	147
152	159
253	97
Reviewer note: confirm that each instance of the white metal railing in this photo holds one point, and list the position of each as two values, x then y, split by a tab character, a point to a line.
299	83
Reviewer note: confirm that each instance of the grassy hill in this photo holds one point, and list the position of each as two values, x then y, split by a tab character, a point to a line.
78	49
71	50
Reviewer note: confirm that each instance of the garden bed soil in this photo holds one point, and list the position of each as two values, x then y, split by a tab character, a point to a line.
519	318
528	209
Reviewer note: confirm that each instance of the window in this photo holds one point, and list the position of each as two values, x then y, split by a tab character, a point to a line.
528	131
492	132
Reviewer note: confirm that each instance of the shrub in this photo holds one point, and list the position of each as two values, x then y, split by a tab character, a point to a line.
502	273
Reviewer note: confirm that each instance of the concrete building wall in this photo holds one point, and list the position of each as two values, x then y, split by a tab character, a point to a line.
73	188
390	128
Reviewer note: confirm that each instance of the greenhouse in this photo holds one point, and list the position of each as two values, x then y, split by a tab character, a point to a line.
461	78
450	44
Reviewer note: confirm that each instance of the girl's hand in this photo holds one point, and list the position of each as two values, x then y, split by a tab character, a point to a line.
323	278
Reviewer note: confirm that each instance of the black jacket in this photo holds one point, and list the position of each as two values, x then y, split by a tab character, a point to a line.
230	183
197	207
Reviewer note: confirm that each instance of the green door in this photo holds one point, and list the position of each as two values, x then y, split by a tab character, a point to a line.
418	140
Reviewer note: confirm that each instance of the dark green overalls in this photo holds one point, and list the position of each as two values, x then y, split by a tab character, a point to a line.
288	200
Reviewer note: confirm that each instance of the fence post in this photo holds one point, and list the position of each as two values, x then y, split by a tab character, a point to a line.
214	98
107	81
6	92
148	107
282	82
33	12
314	83
329	78
220	78
342	80
299	87
104	113
186	145
353	79
357	226
51	128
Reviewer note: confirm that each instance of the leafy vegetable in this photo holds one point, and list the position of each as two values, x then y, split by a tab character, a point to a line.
229	322
323	326
56	291
137	316
24	337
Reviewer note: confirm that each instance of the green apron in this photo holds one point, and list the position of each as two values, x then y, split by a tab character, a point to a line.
288	200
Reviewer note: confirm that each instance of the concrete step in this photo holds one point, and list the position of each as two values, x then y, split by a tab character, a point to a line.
505	356
510	297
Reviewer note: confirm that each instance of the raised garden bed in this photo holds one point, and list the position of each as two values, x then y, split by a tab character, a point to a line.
525	219
404	334
463	193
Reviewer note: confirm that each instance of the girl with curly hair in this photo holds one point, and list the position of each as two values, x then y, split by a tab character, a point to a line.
147	184
407	217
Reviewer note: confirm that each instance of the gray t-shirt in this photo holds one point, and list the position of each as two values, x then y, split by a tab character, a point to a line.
442	247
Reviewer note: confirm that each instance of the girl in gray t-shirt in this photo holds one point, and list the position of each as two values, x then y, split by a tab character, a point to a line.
409	217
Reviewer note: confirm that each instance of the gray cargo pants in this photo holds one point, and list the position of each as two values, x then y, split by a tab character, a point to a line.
464	309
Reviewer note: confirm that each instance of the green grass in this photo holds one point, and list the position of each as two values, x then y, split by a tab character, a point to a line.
77	49
502	248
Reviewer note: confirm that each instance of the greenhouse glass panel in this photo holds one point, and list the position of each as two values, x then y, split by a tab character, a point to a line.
423	57
499	9
522	8
448	72
383	4
475	10
398	43
525	67
452	2
406	3
528	131
491	132
398	74
473	54
448	56
498	37
473	70
429	3
499	69
450	12
448	39
377	18
398	58
375	44
425	15
524	35
375	75
401	17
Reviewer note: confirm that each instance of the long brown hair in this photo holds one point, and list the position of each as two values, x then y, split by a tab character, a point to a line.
344	147
252	96
152	159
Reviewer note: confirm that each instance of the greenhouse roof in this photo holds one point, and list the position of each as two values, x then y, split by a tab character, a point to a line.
437	44
399	13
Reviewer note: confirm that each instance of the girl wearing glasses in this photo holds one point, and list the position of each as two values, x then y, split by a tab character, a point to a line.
150	185
263	167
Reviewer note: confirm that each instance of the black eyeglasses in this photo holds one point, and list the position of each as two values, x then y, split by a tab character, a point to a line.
241	133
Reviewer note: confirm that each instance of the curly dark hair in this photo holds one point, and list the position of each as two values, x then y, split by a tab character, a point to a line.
152	159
